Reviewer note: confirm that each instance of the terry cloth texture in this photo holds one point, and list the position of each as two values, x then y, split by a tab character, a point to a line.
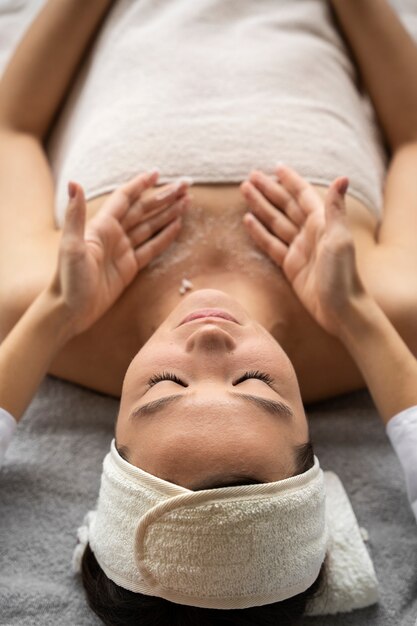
154	537
51	478
212	89
52	472
402	432
7	429
229	548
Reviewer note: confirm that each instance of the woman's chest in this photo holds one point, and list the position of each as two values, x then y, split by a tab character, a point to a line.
212	240
213	250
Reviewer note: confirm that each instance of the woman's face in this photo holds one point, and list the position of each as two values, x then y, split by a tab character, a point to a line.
215	421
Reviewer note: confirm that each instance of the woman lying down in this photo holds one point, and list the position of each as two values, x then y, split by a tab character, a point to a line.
244	529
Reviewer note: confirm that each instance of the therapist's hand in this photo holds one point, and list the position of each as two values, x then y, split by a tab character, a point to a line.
308	238
99	260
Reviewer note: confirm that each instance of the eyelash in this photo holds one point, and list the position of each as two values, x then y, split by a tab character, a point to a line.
256	374
156	378
266	378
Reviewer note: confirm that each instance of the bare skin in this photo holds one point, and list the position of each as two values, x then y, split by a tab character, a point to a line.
230	262
94	266
213	249
216	425
196	398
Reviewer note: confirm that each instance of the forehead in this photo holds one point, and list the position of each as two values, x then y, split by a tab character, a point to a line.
207	436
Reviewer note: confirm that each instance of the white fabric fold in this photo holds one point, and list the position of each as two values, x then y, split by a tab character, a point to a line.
232	547
7	429
402	432
213	89
351	581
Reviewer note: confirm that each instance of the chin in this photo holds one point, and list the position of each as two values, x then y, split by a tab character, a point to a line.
208	296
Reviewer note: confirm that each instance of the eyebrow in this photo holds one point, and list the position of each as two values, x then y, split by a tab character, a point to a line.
273	407
155	405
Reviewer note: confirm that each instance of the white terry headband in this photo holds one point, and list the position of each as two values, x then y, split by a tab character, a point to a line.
226	548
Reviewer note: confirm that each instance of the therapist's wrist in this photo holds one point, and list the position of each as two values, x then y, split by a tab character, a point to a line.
359	313
55	318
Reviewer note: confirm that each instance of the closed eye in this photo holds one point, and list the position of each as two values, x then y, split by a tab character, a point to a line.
266	378
157	378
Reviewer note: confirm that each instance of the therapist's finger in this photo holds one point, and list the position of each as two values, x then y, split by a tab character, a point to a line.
302	192
275	193
270	244
145	207
275	220
146	252
148	228
75	214
125	196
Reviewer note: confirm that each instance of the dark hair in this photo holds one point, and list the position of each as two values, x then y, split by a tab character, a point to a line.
116	606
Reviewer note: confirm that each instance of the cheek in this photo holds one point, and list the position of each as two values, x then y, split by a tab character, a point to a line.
276	363
273	359
155	356
143	365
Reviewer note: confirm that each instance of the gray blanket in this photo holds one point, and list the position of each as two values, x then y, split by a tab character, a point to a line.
52	470
51	478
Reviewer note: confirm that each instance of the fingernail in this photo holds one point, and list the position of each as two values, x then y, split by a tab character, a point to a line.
164	195
343	186
186	179
154	170
72	190
278	166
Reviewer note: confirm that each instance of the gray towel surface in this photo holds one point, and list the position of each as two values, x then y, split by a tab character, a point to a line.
51	477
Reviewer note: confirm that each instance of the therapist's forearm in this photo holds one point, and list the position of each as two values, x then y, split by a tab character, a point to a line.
45	62
26	353
387	58
387	365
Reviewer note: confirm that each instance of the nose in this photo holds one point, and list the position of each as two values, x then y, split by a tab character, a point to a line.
210	338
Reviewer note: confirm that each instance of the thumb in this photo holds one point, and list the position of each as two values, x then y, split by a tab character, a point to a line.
75	215
335	208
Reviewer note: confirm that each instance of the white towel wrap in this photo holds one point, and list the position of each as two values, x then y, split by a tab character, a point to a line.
232	547
213	89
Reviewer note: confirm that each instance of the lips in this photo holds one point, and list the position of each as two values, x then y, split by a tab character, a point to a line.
203	313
